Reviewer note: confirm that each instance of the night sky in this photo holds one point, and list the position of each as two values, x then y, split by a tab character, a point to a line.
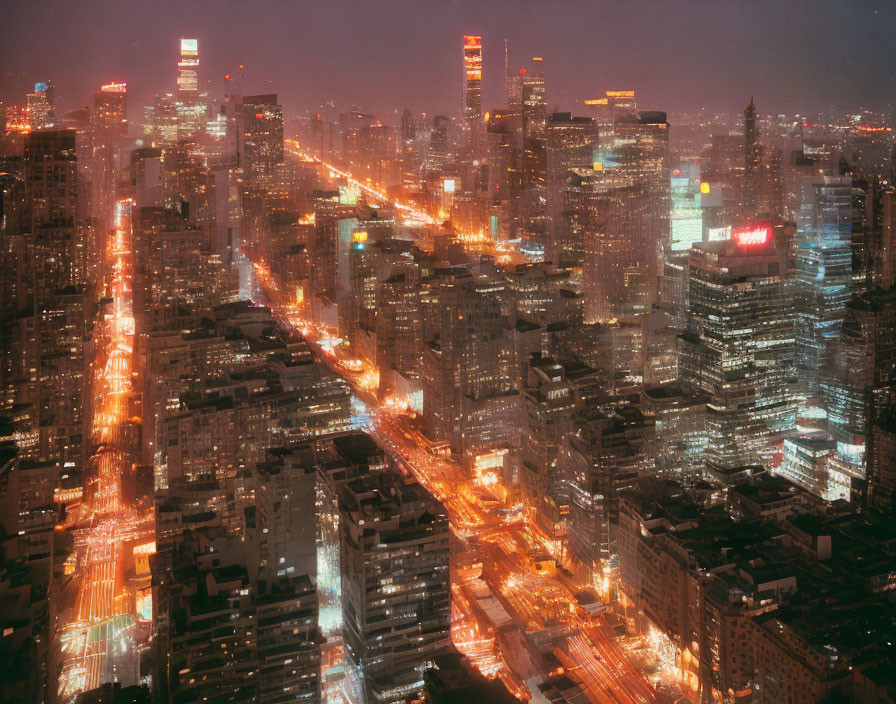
383	54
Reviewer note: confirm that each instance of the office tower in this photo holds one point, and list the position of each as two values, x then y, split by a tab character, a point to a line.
226	633
472	93
400	331
41	106
370	256
570	145
680	438
533	108
605	110
439	154
395	585
172	270
109	128
328	214
857	386
28	491
618	252
468	390
533	103
686	219
340	459
110	113
823	281
172	118
188	70
642	147
512	83
504	148
502	133
540	293
752	162
738	346
603	457
884	249
369	147
47	338
51	178
259	135
549	409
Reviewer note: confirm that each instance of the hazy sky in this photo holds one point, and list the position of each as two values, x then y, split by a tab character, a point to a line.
381	54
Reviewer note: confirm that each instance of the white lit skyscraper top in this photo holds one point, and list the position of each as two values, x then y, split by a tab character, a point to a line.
188	69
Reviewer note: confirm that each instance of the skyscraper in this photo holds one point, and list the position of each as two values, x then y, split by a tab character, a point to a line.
570	145
738	345
259	135
188	70
41	105
395	585
752	162
109	127
823	281
473	91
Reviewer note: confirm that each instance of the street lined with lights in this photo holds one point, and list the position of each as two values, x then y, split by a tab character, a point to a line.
97	636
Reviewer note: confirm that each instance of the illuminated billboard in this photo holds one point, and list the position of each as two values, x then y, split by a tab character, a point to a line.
716	234
144	605
448	185
752	236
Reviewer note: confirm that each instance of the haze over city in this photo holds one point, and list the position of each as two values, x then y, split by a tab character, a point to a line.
681	55
442	353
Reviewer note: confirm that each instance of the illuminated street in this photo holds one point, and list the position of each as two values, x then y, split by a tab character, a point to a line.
96	634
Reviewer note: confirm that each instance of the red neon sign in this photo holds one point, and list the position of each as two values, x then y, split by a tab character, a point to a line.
752	236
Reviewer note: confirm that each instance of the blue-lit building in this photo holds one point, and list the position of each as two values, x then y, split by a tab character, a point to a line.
823	281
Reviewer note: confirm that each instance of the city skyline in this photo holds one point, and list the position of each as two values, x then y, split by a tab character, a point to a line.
705	55
549	393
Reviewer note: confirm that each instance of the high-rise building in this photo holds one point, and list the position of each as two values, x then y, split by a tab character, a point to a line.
259	135
395	585
188	70
738	346
618	252
823	281
602	458
469	398
533	108
686	226
570	145
858	384
41	106
642	148
472	92
549	408
109	127
752	162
